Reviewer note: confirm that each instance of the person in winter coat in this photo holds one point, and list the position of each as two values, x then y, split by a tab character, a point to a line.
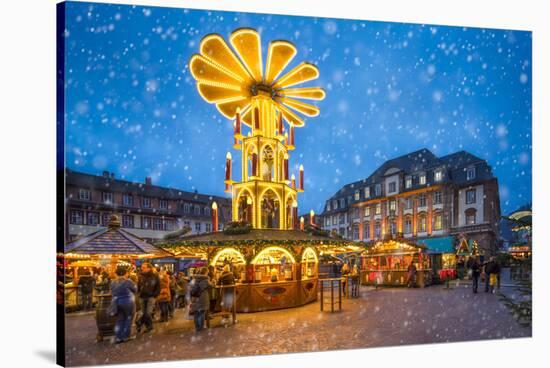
476	271
345	272
411	275
181	290
492	272
172	305
200	299
123	291
148	289
86	282
164	296
227	279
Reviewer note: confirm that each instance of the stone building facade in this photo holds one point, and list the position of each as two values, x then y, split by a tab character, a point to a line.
419	196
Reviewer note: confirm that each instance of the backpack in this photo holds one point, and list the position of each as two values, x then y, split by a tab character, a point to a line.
196	291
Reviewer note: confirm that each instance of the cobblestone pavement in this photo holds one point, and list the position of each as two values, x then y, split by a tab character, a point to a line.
385	317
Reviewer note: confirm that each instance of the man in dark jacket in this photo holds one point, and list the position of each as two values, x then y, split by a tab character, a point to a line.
200	299
148	290
476	271
86	283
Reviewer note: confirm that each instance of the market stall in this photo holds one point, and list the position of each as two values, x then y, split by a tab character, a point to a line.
387	262
273	269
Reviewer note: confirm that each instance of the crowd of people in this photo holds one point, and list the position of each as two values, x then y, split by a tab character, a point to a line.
140	295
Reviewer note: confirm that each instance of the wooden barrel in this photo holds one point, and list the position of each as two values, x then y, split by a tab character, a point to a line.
105	323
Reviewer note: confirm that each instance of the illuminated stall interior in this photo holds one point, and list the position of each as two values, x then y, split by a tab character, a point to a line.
310	263
274	264
386	263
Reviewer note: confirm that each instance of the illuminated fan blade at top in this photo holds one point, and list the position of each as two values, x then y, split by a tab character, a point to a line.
215	49
308	93
216	94
280	53
290	117
203	70
300	106
247	44
300	74
229	108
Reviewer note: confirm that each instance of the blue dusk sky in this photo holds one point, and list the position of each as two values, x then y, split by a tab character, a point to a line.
132	106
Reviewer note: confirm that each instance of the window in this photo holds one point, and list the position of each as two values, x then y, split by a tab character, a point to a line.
438	221
146	202
393	206
197	210
327	221
377	230
377	189
105	218
127	221
197	227
342	203
392	187
422	224
349	200
408	225
422	200
187	224
335	204
438	175
437	198
378	209
84	194
422	179
157	224
342	218
146	222
367	192
470	216
470	196
334	220
208	227
357	195
127	200
169	225
367	230
408	203
186	207
77	217
163	204
470	173
408	182
207	211
342	231
107	197
356	213
328	206
393	227
367	211
93	218
355	231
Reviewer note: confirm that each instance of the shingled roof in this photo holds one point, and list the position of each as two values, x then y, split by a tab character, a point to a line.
114	240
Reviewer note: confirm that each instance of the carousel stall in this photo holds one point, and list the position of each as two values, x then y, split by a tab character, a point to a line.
387	263
273	269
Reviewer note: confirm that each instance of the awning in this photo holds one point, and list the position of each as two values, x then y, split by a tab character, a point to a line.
439	245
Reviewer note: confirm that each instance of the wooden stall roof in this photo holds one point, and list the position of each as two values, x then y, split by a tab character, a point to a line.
114	240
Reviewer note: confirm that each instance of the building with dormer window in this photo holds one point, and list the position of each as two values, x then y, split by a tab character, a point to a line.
421	197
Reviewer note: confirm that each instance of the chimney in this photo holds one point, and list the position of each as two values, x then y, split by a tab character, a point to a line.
148	181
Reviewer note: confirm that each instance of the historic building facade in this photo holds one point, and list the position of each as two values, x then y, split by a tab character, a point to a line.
420	196
146	210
